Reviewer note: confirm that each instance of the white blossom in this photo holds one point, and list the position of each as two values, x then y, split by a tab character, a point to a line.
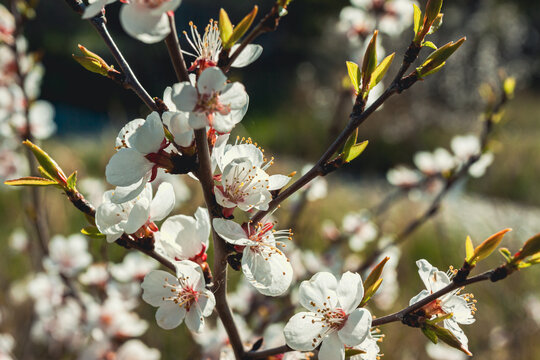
136	350
115	219
434	163
134	267
460	306
265	266
333	319
403	177
178	298
184	237
212	101
68	255
146	20
177	121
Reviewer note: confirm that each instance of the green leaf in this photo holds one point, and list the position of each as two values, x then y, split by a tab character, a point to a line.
225	28
355	151
30	181
436	59
352	352
469	249
93	232
509	86
375	274
429	44
416	17
436	24
447	337
49	165
489	245
381	70
430	72
433	8
530	248
243	26
506	254
354	74
430	334
369	63
439	318
370	291
349	143
72	181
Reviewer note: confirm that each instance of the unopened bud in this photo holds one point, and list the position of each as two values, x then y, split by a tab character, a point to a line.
438	58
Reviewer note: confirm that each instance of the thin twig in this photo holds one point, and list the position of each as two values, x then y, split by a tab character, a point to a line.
204	173
99	22
175	52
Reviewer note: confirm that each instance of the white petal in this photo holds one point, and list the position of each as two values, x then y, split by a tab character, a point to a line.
234	95
167	99
460	308
270	274
153	289
207	302
124	194
302	333
222	200
150	135
93	9
223	123
231	232
276	182
194	319
185	96
124	137
170	315
163	202
178	123
320	289
350	291
247	56
192	271
422	294
138	216
203	225
198	120
332	348
211	80
139	23
356	327
218	152
127	167
180	238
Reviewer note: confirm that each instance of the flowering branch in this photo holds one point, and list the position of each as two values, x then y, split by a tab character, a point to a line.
450	182
204	173
99	22
356	118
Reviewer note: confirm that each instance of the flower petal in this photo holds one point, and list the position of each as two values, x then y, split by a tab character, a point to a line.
211	80
350	291
332	348
234	95
184	96
153	289
170	315
178	124
302	333
356	327
269	273
247	56
319	290
124	137
231	232
140	24
276	182
124	194
163	202
127	167
194	319
150	135
198	120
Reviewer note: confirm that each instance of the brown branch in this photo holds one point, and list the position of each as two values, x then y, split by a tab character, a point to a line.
204	173
263	354
175	52
99	22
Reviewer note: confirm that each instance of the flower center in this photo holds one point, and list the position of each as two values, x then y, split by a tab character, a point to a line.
183	294
209	104
241	181
207	47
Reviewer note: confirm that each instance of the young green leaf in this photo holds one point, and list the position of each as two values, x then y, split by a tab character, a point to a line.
93	232
530	248
355	151
243	26
354	75
72	181
48	164
416	17
469	249
30	181
430	45
369	63
381	70
225	28
447	337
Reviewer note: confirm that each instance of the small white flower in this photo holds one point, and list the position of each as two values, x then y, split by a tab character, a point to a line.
115	219
265	266
96	275
334	317
478	169
68	255
370	348
434	163
178	298
403	177
140	143
136	350
134	267
462	310
94	7
243	180
208	46
146	20
212	102
465	147
184	237
362	230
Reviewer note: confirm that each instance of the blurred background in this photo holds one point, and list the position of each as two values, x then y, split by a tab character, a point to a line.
297	105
